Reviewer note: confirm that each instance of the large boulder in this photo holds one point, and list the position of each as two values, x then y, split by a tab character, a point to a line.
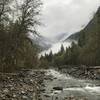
58	88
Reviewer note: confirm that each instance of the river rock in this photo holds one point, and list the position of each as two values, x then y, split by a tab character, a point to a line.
20	85
47	96
24	97
6	90
58	88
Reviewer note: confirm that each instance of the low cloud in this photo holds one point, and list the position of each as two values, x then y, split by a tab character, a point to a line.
66	16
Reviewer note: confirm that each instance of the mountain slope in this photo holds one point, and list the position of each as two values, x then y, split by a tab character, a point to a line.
60	37
89	29
87	52
74	36
42	42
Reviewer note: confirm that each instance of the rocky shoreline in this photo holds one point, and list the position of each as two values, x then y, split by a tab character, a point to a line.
29	84
83	72
61	86
24	85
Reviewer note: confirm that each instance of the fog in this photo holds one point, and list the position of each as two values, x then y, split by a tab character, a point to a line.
66	16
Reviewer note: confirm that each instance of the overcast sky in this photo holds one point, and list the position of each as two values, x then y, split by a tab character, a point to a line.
66	16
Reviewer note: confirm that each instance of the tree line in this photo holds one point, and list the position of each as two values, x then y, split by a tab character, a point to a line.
17	19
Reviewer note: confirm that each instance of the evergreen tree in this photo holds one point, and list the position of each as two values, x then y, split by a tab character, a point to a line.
62	49
50	56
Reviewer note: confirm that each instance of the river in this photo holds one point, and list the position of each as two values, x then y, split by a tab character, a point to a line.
70	87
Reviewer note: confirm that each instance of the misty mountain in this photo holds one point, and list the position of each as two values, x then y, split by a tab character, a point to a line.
74	36
43	42
89	42
91	33
90	28
86	52
60	37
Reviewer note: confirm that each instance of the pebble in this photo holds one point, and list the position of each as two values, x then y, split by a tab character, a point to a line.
5	90
25	97
21	86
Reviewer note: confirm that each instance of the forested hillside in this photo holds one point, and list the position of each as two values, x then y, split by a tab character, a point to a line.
86	52
89	42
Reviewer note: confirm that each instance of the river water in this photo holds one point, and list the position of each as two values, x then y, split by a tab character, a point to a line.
71	87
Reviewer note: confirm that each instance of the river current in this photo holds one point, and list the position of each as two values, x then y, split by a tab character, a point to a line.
70	87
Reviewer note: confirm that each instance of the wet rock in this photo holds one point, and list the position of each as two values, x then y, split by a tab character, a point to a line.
58	88
42	90
47	96
23	92
24	97
6	90
14	95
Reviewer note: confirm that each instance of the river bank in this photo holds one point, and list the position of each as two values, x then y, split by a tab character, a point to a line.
81	72
47	84
60	86
23	85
